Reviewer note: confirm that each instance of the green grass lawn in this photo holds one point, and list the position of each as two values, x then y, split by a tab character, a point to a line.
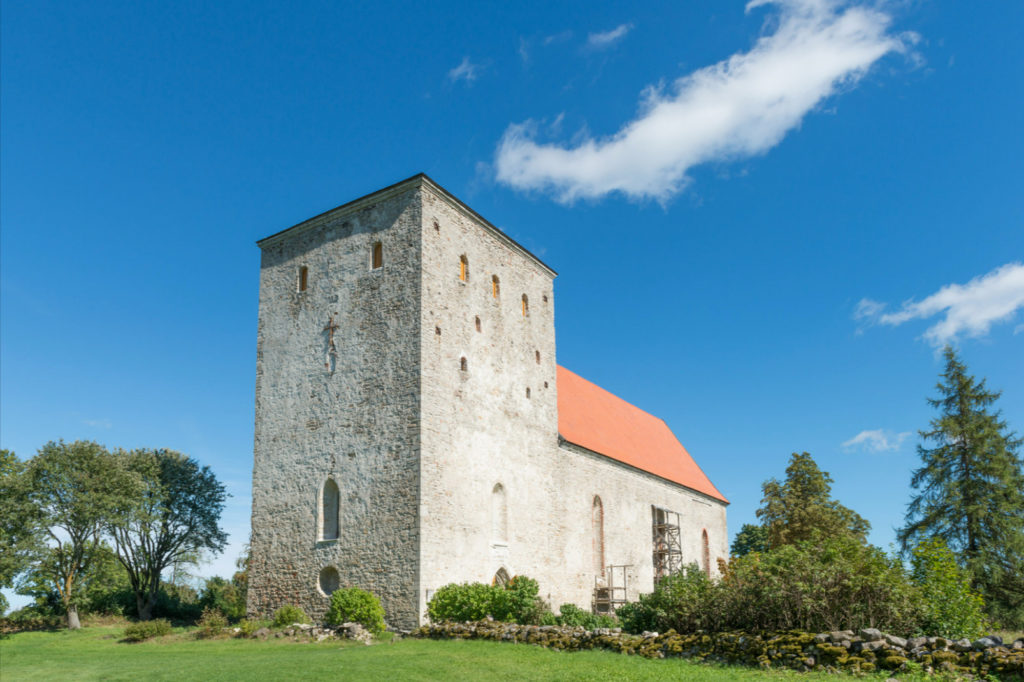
96	654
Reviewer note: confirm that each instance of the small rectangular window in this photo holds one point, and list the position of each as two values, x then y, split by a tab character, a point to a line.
303	278
378	255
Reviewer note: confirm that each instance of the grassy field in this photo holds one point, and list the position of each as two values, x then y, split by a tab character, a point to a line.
97	654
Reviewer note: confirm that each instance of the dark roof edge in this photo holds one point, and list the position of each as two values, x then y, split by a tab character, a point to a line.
419	179
562	440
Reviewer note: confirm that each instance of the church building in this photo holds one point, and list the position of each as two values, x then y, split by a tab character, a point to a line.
414	429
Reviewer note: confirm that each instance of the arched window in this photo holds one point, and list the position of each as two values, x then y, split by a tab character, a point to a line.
329	498
378	255
495	286
501	578
303	278
705	553
526	305
463	364
499	514
597	530
463	268
329	580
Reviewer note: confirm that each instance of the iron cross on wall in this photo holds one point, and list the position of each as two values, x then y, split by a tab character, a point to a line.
332	352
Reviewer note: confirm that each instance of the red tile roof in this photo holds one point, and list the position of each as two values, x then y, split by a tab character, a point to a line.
593	418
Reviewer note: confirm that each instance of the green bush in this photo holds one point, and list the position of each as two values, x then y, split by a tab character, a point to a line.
639	616
249	626
225	596
573	616
147	629
950	608
517	602
288	614
211	624
353	605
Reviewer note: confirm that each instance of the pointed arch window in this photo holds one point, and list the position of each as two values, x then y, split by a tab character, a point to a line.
499	514
329	499
705	553
597	531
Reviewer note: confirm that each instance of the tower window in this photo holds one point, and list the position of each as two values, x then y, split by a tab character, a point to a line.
437	331
378	255
536	355
329	498
526	305
463	364
478	323
527	392
303	278
437	227
495	286
463	268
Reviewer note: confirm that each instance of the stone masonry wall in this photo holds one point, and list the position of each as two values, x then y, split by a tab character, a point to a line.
357	422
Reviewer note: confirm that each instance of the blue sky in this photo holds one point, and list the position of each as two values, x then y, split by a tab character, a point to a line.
765	218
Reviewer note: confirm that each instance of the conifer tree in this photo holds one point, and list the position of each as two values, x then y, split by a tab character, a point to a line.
801	507
971	489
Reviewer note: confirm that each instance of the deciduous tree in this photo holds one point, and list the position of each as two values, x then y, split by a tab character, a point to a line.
176	515
21	534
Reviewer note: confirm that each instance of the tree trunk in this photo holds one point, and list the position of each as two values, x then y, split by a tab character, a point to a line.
72	618
145	604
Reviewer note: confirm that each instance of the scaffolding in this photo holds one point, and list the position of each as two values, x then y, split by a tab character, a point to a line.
668	555
610	590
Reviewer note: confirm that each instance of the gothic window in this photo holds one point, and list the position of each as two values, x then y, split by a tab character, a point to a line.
329	497
499	514
329	580
597	534
378	255
526	305
705	553
303	278
495	286
501	578
463	268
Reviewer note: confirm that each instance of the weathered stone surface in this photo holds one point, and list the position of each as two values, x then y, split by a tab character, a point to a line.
893	640
415	444
962	645
917	642
869	634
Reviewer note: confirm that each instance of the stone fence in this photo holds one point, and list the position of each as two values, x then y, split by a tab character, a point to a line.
862	651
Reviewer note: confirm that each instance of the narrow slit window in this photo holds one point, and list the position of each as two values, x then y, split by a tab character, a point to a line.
478	323
378	255
329	498
527	392
463	364
536	355
495	286
437	226
463	269
526	305
303	278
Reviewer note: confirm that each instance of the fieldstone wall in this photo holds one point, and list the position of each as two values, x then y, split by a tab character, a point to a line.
350	413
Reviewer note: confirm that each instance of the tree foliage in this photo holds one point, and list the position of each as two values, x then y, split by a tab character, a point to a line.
750	538
176	514
21	534
801	507
77	489
950	608
971	489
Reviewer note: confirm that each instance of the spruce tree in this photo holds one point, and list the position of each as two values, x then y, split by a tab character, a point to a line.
971	489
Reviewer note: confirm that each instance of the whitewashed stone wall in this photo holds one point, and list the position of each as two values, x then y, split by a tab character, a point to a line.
416	443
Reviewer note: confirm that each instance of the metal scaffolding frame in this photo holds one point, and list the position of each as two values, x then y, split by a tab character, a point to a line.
668	554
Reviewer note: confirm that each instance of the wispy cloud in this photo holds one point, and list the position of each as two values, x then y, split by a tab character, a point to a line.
98	423
557	38
465	71
966	309
606	39
739	107
876	441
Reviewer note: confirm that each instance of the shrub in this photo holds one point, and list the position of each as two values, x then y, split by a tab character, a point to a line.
211	623
638	616
249	626
147	629
573	616
460	602
518	602
225	596
950	607
288	614
353	605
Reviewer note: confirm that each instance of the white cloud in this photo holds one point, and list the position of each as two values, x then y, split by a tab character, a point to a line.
739	107
967	309
876	441
465	71
601	41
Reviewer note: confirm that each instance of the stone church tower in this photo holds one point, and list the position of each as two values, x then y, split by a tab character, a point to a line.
410	432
